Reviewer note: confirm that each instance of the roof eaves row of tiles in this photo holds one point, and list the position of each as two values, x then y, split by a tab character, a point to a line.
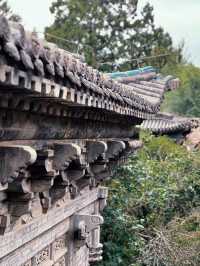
146	83
164	124
26	52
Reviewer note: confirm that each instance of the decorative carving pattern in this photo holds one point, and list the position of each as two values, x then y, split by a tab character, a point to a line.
84	225
61	170
42	256
64	154
96	149
14	159
114	149
95	254
59	244
61	262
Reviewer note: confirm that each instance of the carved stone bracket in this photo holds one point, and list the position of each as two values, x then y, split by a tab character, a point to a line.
96	149
101	169
42	172
115	148
48	174
13	159
133	145
84	225
69	159
64	154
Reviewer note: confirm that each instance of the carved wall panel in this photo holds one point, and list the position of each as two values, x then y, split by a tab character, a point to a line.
50	239
53	254
43	257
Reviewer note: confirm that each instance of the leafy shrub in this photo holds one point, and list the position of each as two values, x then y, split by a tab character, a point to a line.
157	186
185	100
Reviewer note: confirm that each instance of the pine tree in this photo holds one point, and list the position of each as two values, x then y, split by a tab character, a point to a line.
6	11
108	30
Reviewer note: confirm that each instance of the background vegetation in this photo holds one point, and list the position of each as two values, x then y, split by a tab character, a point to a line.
153	214
185	100
113	31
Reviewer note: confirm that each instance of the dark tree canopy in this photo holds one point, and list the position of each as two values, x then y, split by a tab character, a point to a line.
6	11
109	30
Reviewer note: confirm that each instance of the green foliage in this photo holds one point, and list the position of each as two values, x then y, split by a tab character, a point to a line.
159	184
6	11
186	100
109	30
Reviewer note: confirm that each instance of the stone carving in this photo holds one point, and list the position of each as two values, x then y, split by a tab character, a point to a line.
96	149
42	172
59	244
84	224
61	262
13	160
114	149
64	154
95	254
42	257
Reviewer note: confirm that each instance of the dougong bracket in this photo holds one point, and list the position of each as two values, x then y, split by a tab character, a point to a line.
13	159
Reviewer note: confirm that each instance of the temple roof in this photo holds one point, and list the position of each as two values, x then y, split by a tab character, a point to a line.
43	69
147	84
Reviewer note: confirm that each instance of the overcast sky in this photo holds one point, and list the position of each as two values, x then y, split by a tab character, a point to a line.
181	18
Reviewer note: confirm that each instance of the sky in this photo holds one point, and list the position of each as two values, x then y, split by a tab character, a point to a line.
181	18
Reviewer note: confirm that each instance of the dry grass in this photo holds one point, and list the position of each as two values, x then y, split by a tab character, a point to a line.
177	244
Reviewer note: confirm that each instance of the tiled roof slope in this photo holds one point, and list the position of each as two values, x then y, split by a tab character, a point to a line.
147	84
41	68
166	123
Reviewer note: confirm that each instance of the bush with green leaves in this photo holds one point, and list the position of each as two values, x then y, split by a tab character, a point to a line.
159	184
185	100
